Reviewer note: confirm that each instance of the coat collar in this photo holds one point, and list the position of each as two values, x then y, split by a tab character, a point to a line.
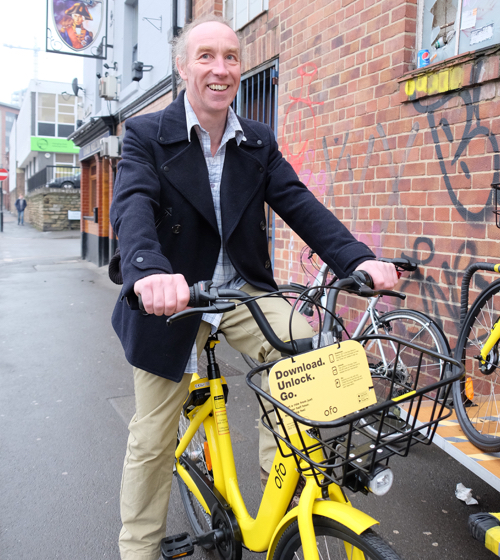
187	170
172	127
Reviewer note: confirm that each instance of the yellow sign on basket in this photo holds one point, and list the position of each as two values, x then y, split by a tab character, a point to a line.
323	384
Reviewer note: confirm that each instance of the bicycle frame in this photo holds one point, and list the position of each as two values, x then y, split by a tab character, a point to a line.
263	532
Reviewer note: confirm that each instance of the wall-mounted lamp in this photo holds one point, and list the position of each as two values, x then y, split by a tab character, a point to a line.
137	70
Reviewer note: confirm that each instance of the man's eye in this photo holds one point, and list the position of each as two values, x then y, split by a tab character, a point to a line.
205	56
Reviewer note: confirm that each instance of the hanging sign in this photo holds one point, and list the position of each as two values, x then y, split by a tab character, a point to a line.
323	384
77	28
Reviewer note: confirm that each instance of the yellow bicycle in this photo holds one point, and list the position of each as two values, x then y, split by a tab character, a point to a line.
477	396
328	455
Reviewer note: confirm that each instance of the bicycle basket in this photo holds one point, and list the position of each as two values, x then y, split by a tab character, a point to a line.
348	450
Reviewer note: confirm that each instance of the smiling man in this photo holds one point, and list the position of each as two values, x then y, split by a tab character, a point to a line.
189	205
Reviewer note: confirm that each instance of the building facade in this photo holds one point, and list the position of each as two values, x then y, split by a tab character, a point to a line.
404	156
41	156
8	116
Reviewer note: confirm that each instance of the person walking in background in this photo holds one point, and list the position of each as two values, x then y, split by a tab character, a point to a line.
21	205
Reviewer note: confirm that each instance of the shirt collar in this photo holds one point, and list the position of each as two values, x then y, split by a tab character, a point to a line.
233	126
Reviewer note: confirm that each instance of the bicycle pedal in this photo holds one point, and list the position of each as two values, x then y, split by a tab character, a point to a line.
177	546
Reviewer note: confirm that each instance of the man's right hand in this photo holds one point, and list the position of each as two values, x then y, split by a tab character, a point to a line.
163	294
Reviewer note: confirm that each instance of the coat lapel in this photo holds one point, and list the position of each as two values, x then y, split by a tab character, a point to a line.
187	172
241	180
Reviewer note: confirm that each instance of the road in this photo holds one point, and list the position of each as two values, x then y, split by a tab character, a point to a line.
67	395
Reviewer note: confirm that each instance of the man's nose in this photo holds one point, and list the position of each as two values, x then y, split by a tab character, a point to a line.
220	66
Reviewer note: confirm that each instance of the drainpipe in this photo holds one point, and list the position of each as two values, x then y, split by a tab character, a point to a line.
175	32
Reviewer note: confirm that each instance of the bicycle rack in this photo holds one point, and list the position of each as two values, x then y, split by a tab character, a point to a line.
496	195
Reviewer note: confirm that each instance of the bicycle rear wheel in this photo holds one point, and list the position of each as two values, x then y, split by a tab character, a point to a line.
199	519
411	326
334	541
477	396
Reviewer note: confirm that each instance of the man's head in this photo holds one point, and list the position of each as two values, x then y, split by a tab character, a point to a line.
208	58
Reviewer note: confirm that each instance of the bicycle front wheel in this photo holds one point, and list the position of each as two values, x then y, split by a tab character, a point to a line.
414	327
199	519
334	541
477	396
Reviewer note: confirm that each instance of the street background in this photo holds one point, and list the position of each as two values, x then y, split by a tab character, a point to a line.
66	396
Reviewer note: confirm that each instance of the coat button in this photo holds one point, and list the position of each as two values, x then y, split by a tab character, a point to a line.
165	168
139	259
261	169
176	228
262	225
259	142
267	264
162	139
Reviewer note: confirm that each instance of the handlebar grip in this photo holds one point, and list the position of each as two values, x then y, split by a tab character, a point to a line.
141	305
364	277
193	300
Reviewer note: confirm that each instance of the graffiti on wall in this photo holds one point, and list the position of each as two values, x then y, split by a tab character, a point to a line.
451	152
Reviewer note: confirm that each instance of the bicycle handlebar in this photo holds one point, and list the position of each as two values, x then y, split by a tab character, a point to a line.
205	298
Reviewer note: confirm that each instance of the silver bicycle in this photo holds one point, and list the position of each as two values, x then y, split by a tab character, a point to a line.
319	301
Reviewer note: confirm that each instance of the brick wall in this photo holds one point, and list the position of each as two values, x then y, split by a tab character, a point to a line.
49	208
404	158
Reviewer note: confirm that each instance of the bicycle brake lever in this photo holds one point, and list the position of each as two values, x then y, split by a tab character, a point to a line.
391	294
215	308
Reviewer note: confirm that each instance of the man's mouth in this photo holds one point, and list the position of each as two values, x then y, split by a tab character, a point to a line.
217	87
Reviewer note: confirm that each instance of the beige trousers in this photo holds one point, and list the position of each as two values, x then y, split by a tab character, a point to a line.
148	465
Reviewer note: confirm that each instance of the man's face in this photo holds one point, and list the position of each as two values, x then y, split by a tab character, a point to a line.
78	19
213	69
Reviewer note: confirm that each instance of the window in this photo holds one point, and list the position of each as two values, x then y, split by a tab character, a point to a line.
451	27
66	116
257	99
93	189
241	12
56	110
258	95
131	31
65	165
46	114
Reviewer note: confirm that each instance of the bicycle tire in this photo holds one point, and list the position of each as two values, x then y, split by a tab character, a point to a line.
472	413
199	519
333	541
415	327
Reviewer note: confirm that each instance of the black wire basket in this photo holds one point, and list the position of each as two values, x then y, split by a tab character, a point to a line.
355	446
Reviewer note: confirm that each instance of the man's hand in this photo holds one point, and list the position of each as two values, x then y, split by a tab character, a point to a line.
383	274
163	294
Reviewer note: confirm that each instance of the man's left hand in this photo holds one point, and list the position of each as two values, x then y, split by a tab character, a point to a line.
383	274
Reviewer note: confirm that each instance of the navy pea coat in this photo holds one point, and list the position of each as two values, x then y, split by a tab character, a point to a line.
163	215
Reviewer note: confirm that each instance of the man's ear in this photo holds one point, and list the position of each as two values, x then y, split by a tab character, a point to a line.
182	74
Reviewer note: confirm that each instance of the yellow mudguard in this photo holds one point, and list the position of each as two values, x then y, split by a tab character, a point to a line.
345	514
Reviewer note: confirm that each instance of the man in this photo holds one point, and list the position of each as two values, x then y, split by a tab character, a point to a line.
189	205
72	30
21	206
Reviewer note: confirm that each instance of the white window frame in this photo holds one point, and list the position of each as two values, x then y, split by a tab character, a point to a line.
241	12
461	8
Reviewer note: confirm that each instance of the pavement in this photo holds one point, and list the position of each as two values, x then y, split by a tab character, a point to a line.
66	396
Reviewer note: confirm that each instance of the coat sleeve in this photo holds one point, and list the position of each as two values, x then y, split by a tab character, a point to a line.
311	220
136	200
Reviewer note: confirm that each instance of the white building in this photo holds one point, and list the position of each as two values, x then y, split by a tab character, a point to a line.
39	144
